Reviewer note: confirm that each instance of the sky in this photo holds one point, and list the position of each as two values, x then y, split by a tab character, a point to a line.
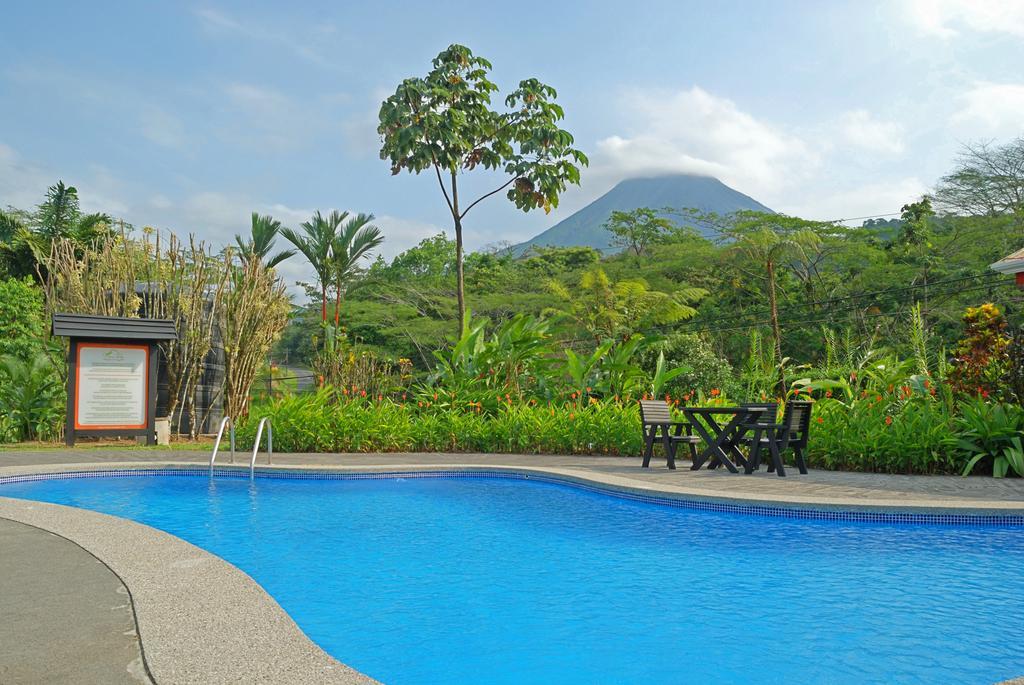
188	116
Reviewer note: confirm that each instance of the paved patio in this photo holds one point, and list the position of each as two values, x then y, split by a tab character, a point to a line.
67	618
826	487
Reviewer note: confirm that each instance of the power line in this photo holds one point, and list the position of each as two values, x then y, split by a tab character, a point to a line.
987	279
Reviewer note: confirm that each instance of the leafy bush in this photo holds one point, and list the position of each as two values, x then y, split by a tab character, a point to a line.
705	369
991	434
31	399
326	422
22	324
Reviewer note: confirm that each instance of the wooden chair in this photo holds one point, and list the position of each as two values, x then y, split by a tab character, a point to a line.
655	415
767	415
791	432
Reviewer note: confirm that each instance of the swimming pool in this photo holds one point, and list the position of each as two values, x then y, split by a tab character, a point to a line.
498	580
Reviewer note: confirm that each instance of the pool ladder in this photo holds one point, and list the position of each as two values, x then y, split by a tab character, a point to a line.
228	422
256	446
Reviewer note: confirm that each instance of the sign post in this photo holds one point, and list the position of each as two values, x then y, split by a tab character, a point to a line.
112	372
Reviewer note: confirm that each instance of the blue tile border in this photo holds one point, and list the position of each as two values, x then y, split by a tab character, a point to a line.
690	503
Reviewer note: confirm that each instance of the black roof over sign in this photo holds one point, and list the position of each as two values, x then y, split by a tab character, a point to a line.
93	326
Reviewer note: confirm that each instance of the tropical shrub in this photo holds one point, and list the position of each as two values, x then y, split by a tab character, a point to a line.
22	324
328	421
31	399
705	368
991	433
980	358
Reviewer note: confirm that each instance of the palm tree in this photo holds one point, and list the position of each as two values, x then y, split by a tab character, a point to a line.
355	240
770	242
261	241
315	243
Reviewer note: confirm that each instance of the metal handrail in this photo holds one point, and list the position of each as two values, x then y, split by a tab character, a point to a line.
256	445
220	434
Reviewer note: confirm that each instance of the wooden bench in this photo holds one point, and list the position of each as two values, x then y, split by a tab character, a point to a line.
656	416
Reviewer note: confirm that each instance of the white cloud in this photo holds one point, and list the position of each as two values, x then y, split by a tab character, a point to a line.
694	131
861	129
948	18
995	108
876	197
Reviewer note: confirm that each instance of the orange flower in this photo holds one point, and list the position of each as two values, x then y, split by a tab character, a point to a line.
878	398
589	389
363	393
573	395
572	416
715	392
420	403
380	398
828	393
821	420
435	397
888	420
321	379
403	396
344	391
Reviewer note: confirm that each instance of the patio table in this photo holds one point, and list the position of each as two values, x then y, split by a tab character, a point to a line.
721	440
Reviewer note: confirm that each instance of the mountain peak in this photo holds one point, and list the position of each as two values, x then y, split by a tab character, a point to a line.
585	228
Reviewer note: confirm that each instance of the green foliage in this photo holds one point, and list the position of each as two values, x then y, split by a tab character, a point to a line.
31	398
22	323
704	369
981	357
325	422
260	242
991	433
445	122
618	310
637	230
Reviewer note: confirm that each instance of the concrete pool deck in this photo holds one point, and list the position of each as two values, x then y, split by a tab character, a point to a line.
201	619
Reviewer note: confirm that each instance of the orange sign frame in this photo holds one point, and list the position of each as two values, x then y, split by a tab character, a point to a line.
78	383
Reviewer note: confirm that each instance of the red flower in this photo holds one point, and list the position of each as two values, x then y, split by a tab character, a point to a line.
878	398
363	393
984	393
821	420
828	393
888	420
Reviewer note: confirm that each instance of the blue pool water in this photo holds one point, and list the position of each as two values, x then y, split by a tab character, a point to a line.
488	580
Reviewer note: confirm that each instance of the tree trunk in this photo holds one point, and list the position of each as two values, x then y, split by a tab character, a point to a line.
323	302
460	286
337	308
776	332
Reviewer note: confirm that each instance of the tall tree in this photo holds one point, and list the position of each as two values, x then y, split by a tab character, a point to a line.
445	122
315	243
767	243
355	240
988	180
258	245
635	231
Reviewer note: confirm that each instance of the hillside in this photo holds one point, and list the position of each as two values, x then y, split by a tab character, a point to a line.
585	227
